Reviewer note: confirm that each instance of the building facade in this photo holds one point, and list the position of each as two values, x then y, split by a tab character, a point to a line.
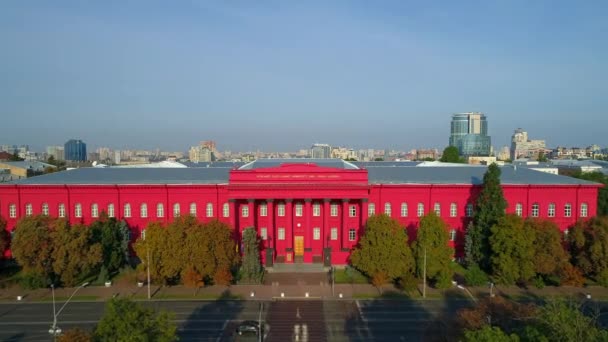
523	147
304	210
469	133
320	151
75	150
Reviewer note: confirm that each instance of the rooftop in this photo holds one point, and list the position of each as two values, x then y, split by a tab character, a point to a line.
333	163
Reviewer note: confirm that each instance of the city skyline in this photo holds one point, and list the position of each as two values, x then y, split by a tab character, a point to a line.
262	77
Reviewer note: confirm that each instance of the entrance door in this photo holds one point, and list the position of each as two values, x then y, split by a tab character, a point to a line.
299	245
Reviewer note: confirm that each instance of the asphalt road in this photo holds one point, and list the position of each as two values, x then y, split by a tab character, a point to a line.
288	320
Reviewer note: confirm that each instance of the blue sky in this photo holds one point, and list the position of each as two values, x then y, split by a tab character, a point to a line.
280	75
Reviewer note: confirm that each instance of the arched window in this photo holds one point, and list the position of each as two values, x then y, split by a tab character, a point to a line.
176	210
469	210
453	210
111	210
160	210
403	209
535	209
29	210
519	209
209	210
45	209
387	209
12	211
193	209
61	210
226	210
437	209
78	210
584	210
551	210
420	211
568	210
143	210
127	210
94	210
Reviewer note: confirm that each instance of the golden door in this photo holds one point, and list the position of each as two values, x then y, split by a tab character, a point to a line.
299	245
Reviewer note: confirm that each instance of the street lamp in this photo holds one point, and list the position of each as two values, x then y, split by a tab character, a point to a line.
55	330
148	261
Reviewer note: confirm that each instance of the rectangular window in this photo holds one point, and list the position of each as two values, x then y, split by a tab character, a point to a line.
12	210
208	209
453	210
334	210
263	209
453	235
316	233
352	211
551	210
371	209
226	210
110	210
281	210
143	210
387	209
245	211
438	209
469	210
264	233
193	209
94	210
176	210
45	209
404	210
127	210
519	209
299	209
28	210
160	210
281	232
78	210
568	210
535	209
420	209
584	210
334	233
352	234
316	209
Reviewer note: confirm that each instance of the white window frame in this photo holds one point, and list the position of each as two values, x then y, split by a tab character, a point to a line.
78	210
352	235
334	234
226	210
469	210
263	210
535	209
551	210
566	232
29	210
94	210
352	210
584	209
111	211
193	209
143	210
568	210
208	209
127	210
437	209
404	209
245	210
333	208
420	209
281	233
45	209
453	209
453	235
316	233
264	233
176	210
299	210
160	210
316	209
12	211
281	209
519	209
371	209
388	210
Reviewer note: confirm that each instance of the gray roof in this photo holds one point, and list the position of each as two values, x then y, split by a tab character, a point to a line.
464	175
32	165
376	174
263	163
228	164
92	175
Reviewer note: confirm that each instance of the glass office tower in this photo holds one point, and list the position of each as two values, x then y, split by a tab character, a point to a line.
469	133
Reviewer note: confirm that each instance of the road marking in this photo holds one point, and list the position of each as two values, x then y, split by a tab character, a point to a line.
304	333
298	313
219	338
360	311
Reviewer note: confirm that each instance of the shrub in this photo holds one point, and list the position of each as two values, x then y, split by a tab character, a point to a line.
32	281
222	277
538	282
602	278
571	276
408	283
474	276
443	280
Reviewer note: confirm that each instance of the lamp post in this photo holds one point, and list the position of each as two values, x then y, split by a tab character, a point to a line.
55	330
424	276
148	262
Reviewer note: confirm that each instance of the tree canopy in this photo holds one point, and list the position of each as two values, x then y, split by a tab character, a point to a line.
4	237
450	155
383	248
512	246
589	246
251	268
432	236
602	196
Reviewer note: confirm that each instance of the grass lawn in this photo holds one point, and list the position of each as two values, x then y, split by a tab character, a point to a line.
200	296
75	298
349	275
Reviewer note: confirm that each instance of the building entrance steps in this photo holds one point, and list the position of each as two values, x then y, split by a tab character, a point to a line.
297	268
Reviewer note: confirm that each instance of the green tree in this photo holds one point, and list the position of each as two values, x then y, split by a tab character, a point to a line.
589	245
153	245
512	250
433	237
602	196
541	157
4	238
383	248
549	253
113	235
450	155
489	209
225	255
32	245
74	255
251	268
562	320
125	320
489	334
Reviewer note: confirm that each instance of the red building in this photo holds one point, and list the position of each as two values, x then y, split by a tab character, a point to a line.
304	210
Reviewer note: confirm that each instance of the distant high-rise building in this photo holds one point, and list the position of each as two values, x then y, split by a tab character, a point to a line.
522	147
320	151
469	133
201	153
75	150
55	151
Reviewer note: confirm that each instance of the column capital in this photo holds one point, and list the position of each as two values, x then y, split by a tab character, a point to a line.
345	200
250	200
288	200
270	200
327	200
308	200
231	200
364	200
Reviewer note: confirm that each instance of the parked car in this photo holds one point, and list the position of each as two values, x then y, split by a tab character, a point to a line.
247	327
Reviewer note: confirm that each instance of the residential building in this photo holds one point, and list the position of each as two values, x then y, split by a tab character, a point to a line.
200	153
523	147
55	151
75	150
320	151
469	133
